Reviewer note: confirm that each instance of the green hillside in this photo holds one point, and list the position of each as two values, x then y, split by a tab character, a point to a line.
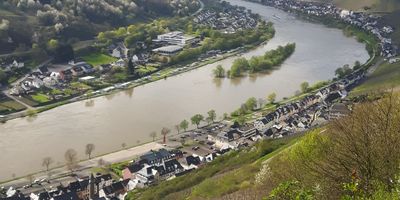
350	158
230	173
26	23
386	77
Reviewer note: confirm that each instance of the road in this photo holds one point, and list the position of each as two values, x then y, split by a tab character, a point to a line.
62	175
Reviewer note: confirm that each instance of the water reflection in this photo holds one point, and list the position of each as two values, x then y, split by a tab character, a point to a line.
218	82
89	103
129	92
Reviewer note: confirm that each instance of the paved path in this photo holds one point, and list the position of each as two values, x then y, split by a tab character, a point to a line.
63	175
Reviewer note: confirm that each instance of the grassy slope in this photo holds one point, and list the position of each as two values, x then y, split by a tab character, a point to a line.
386	76
229	173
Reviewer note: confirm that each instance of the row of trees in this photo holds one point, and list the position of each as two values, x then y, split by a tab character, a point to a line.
215	40
342	72
268	61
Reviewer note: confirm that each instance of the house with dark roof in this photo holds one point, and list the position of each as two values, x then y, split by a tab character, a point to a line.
153	158
116	190
130	171
192	160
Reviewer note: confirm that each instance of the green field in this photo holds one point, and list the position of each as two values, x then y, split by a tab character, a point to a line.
387	76
96	59
8	105
41	98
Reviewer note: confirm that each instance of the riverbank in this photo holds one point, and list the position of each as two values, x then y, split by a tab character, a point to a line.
130	117
165	73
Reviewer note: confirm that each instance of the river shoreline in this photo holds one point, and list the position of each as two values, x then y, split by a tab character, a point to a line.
26	113
203	64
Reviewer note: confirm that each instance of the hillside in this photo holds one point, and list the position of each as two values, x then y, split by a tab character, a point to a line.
27	22
360	5
350	158
386	76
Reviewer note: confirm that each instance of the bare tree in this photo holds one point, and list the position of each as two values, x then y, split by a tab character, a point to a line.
153	135
89	150
30	178
178	128
101	162
164	133
71	158
47	161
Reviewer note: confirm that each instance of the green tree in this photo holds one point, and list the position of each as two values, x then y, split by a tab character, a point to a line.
291	190
251	103
52	44
219	71
131	67
272	97
238	67
304	86
3	76
212	115
196	119
184	125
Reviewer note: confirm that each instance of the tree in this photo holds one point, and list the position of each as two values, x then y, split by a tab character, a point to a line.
153	135
339	72
164	133
123	145
212	115
239	65
251	103
101	162
219	72
357	65
196	119
3	76
177	128
52	44
272	97
71	158
304	86
184	125
89	150
131	67
47	161
64	53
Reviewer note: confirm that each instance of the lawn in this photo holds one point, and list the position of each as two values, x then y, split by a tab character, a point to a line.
96	59
144	70
40	98
385	77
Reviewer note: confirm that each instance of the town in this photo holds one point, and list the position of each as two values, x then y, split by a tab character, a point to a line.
121	66
367	22
193	149
190	150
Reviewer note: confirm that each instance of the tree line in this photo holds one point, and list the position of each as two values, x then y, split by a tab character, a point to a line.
267	61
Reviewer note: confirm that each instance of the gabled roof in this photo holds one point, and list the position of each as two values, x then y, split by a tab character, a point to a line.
135	167
193	160
104	177
67	196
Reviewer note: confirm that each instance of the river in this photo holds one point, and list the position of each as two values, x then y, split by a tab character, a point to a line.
129	116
